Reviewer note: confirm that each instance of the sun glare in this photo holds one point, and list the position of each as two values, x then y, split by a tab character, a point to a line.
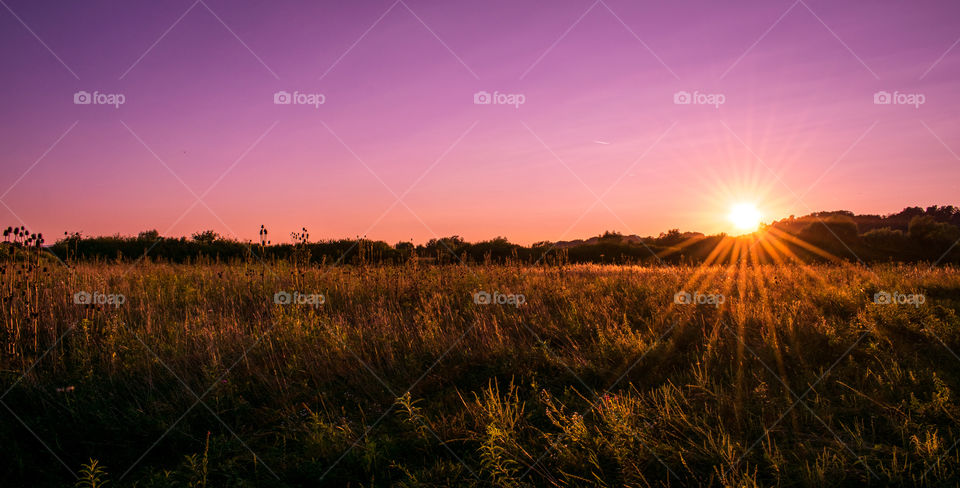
745	217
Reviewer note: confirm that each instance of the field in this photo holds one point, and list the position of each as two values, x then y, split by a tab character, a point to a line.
784	375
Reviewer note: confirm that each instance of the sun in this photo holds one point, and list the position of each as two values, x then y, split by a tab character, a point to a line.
745	217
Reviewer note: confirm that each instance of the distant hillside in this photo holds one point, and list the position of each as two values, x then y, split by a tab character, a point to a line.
795	225
865	223
665	239
912	235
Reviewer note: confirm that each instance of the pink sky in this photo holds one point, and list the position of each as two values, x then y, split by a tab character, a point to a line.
798	131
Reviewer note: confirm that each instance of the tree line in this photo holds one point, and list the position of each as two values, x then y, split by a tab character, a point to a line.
912	235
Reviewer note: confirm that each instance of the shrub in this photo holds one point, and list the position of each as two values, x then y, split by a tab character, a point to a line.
928	231
886	238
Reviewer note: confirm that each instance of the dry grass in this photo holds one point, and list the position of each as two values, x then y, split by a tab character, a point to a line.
399	378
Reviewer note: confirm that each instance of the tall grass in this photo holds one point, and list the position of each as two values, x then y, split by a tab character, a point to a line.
399	378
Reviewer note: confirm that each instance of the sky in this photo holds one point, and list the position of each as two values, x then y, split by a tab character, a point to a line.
603	115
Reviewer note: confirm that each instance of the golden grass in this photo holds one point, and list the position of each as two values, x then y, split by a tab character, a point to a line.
399	378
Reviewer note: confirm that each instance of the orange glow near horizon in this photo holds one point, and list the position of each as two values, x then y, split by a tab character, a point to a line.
745	217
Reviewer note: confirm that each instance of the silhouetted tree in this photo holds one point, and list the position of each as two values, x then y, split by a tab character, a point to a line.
927	230
886	238
671	237
830	228
207	236
148	235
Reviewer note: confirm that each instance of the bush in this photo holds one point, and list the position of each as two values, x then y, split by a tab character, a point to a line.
886	238
831	228
928	231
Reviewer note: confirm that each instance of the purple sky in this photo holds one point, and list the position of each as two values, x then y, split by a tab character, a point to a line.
798	130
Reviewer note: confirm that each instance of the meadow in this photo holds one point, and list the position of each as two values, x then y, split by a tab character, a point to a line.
762	375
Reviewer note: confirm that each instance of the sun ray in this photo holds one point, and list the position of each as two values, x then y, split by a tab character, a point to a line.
803	244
